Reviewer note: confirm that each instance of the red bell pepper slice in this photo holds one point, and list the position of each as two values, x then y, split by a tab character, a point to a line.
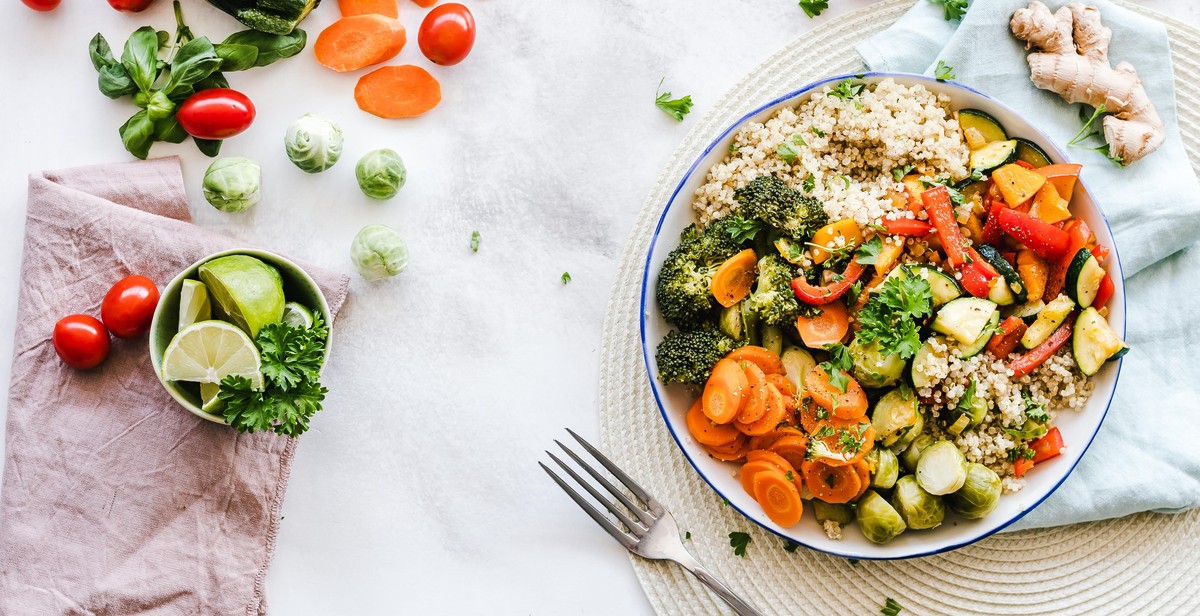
1050	445
907	226
1100	251
1048	241
992	232
1004	341
1020	467
1105	292
819	296
1038	355
941	214
1029	166
976	278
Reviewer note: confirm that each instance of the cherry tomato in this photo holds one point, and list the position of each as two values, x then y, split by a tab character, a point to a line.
81	341
42	5
129	305
216	113
447	34
130	6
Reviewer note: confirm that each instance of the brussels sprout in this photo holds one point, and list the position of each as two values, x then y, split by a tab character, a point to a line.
894	414
979	494
731	322
912	454
378	252
905	437
872	368
233	184
919	508
942	468
838	512
313	143
772	338
887	467
380	174
878	521
798	362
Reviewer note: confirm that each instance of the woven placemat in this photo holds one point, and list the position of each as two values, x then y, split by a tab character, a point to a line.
1141	564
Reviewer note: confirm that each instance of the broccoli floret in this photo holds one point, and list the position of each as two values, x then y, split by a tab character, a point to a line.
683	291
689	356
772	201
773	299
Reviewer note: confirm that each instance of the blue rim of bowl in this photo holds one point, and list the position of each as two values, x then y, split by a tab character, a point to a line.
646	281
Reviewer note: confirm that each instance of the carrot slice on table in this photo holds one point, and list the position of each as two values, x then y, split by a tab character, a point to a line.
732	451
425	3
724	391
732	281
791	448
764	358
832	484
755	404
764	441
404	91
780	498
849	404
351	43
351	8
775	415
705	431
828	326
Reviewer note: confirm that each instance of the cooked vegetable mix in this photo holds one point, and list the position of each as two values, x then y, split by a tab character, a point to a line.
907	358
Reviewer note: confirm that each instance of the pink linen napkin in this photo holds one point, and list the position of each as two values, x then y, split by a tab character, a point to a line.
116	500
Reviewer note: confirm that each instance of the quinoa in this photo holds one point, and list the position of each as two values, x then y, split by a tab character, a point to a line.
847	150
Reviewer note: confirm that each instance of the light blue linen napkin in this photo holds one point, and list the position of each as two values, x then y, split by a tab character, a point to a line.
1147	454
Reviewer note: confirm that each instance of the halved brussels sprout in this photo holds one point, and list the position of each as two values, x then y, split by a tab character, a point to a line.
904	438
887	467
912	455
772	338
838	512
919	508
894	414
979	494
798	362
872	368
731	322
942	468
878	520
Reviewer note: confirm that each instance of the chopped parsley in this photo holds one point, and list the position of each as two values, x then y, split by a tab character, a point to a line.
952	9
847	90
688	535
738	541
899	172
853	562
786	152
676	108
890	316
798	139
868	253
733	148
724	502
743	229
968	398
839	355
812	8
943	71
818	132
1020	452
891	607
474	241
849	442
790	476
822	414
1033	410
956	197
808	183
566	277
854	292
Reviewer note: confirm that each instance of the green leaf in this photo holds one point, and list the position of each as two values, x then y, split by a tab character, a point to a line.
812	8
208	147
215	80
952	9
738	541
839	355
899	172
169	130
786	152
868	253
193	62
271	47
676	108
159	106
847	90
968	398
137	133
475	241
100	52
890	608
790	546
236	57
808	183
140	57
743	229
943	71
114	82
837	377
164	38
566	277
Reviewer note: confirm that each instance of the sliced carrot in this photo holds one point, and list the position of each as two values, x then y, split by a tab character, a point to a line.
351	43
785	387
724	391
752	468
850	404
835	434
732	281
780	498
832	484
830	325
791	448
754	455
705	431
730	452
863	468
755	403
764	441
404	91
425	3
351	8
764	358
810	414
775	415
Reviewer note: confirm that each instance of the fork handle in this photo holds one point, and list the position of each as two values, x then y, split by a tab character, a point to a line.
738	604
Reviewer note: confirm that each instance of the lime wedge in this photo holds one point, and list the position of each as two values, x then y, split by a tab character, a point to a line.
297	315
210	403
193	303
209	351
245	289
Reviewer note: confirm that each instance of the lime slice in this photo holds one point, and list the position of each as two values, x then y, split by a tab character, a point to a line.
245	289
297	315
210	403
193	303
209	351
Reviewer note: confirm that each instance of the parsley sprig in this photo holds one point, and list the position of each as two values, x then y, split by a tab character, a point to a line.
952	9
812	8
676	108
891	607
743	229
943	71
891	316
738	541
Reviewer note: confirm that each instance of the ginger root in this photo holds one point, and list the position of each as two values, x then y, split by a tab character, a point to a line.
1070	58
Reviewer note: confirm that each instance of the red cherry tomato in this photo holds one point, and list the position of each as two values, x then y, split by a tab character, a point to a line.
81	341
42	5
130	6
129	305
216	113
447	34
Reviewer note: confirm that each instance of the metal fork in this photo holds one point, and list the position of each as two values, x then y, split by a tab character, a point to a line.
654	535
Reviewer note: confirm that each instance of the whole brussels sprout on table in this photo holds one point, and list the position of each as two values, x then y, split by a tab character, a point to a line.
378	252
313	143
380	174
233	184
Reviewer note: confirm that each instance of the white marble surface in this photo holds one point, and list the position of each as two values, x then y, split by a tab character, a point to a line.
417	490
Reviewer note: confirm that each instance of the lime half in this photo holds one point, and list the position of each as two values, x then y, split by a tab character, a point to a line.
245	289
210	403
209	351
193	303
297	315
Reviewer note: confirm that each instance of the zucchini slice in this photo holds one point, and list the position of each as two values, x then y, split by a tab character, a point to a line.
1094	342
1047	321
1029	152
992	256
989	128
993	156
977	346
999	292
964	319
1084	276
942	285
1027	310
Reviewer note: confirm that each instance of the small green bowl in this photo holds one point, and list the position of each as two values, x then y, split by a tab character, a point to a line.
298	286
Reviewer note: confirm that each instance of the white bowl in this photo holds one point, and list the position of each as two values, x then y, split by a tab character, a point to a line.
1078	427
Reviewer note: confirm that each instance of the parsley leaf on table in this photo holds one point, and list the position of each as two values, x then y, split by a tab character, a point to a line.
952	9
676	108
943	71
738	541
566	277
475	241
891	607
790	546
812	8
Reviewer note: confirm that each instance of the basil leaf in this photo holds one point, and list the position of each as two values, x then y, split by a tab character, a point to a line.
215	80
114	82
194	61
271	47
140	57
208	147
137	133
236	57
100	52
160	106
169	130
164	37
